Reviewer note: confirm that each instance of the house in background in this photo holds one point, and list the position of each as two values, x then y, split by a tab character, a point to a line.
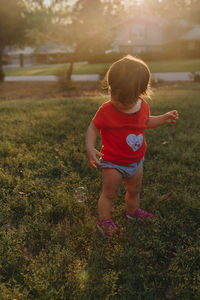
156	38
44	54
191	39
50	53
16	56
139	34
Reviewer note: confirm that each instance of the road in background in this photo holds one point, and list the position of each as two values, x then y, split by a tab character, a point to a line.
168	76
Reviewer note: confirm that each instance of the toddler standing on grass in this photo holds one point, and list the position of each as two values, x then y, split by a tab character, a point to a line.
122	122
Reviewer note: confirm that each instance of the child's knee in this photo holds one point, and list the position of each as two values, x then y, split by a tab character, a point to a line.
133	190
110	194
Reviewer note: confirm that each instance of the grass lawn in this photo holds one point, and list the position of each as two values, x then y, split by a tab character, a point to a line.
56	69
161	66
49	245
190	65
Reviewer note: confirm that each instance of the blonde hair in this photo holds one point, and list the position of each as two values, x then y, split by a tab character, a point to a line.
128	78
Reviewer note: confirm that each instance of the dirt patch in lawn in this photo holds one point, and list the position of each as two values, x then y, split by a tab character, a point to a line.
20	90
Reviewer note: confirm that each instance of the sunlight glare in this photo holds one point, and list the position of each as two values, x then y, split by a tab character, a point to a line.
131	2
48	2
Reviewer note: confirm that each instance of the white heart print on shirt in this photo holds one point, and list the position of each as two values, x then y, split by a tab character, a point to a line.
134	141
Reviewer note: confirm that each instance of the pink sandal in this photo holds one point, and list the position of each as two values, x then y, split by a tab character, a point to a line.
140	214
107	227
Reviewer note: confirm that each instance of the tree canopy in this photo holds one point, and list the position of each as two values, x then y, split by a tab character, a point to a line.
12	26
169	9
12	22
85	25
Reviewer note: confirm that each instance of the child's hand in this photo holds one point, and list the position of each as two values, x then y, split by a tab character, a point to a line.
171	116
92	157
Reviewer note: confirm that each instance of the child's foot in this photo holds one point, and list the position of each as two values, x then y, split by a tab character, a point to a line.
140	214
107	227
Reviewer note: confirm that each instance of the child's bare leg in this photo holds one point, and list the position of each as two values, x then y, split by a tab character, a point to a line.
112	180
133	185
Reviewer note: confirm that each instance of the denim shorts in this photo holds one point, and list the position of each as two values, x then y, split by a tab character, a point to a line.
126	171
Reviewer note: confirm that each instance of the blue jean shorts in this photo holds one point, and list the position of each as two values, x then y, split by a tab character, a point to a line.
126	171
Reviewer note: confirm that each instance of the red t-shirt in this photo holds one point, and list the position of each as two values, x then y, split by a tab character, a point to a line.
122	134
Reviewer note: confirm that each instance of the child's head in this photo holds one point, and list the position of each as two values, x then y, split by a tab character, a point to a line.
128	78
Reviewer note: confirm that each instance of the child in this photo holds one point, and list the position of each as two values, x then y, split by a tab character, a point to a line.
122	122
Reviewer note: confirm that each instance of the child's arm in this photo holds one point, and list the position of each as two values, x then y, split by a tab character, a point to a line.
155	121
92	153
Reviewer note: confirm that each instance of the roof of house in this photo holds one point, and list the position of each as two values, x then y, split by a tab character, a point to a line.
149	39
14	50
141	30
193	34
140	19
52	48
139	33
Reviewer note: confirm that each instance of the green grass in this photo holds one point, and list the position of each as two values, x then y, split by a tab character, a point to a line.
190	65
161	66
49	245
54	70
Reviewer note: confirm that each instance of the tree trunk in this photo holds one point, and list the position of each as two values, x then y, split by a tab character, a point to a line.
70	70
21	60
2	75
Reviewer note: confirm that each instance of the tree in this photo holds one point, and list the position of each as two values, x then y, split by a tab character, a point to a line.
12	26
23	22
193	11
86	26
39	18
174	9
